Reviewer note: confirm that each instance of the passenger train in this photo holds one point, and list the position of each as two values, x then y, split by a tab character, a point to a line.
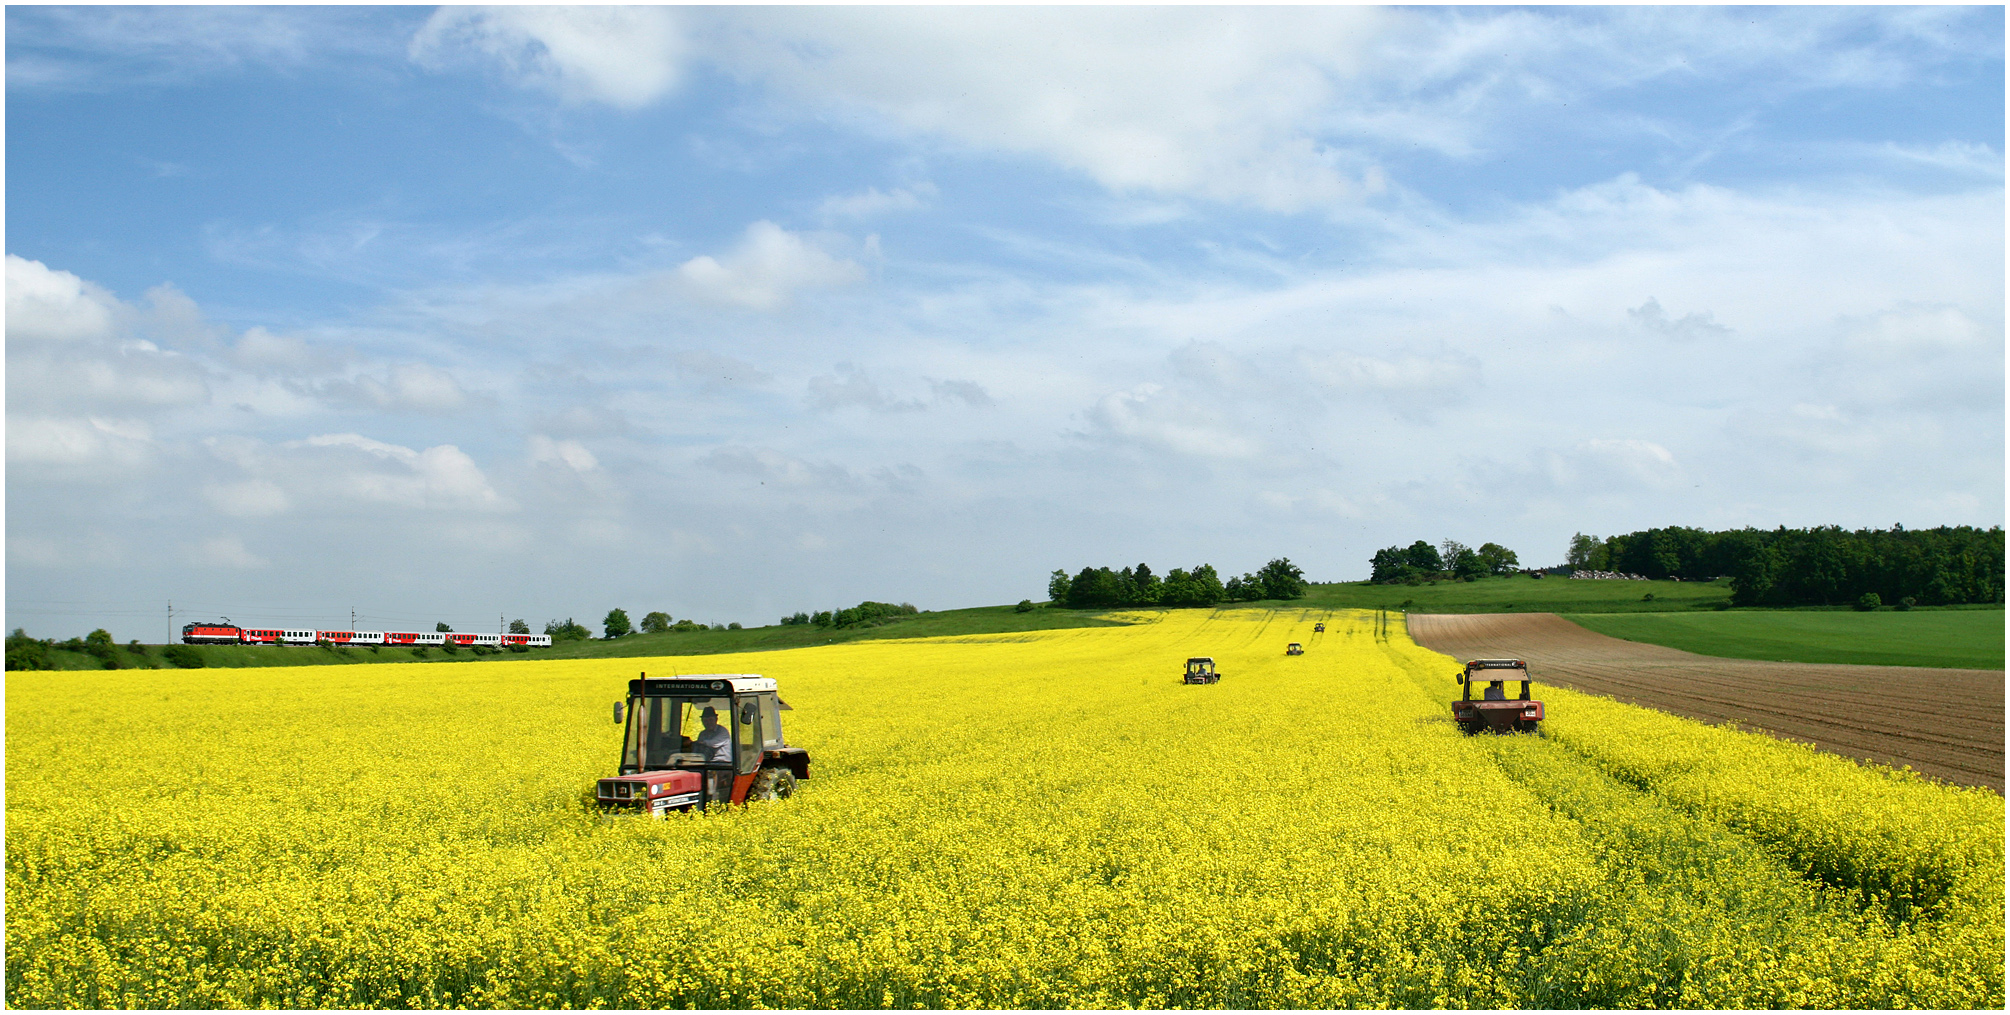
231	634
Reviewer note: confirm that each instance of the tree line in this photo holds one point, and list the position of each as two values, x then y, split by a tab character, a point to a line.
1822	566
865	614
1099	588
1450	559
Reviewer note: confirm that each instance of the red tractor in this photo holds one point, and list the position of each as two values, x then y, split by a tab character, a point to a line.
1495	710
691	742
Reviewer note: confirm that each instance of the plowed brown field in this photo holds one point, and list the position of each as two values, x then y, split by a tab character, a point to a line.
1945	723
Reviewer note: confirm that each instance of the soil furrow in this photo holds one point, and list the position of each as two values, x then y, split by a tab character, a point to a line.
1946	723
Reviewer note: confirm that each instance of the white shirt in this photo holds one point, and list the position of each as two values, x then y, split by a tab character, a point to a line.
716	740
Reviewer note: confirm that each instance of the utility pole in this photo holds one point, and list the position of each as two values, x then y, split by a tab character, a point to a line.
352	620
170	639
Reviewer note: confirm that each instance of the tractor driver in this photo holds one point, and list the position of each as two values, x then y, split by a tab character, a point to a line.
715	741
1496	691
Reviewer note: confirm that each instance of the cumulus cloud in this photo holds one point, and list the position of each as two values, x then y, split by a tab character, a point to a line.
1225	106
849	387
1151	416
441	477
969	393
716	371
261	351
47	305
225	552
771	466
252	498
47	440
765	270
415	387
1404	375
622	56
1650	317
872	201
571	454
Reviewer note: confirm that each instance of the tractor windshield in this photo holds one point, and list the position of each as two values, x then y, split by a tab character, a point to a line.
666	732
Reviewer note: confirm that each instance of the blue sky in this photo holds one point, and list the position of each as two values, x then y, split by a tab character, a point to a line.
730	312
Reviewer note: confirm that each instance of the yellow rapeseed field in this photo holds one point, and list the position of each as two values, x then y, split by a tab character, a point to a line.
1037	820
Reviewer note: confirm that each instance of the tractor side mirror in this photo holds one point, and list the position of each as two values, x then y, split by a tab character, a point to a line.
617	713
1460	677
747	713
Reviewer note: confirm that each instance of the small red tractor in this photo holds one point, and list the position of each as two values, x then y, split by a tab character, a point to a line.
695	741
1294	649
1200	670
1495	710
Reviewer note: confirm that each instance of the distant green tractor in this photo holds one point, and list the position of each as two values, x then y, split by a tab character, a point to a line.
1200	670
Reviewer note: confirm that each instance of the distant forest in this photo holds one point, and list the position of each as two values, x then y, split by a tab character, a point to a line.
1098	588
1421	562
1814	567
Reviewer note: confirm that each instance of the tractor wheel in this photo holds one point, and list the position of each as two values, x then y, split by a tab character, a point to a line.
774	783
1471	728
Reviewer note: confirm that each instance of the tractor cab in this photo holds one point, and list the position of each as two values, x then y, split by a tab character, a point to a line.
689	742
1319	628
1294	649
1200	670
1496	706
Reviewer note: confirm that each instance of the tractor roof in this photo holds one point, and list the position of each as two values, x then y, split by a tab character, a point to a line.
1496	664
706	683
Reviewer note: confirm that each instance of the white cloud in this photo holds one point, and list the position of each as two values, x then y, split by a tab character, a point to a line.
1154	417
1915	328
226	552
849	387
571	454
46	305
622	56
872	201
1226	106
252	498
46	440
98	47
969	393
441	477
412	386
262	351
1689	326
768	267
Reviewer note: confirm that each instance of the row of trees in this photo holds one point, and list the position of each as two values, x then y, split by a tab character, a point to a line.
1824	566
617	625
865	614
1097	588
29	653
1421	561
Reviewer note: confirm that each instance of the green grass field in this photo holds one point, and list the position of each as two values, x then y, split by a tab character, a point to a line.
1968	639
1694	613
1522	594
977	620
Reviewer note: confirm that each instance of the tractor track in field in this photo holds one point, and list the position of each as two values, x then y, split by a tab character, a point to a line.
1946	723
